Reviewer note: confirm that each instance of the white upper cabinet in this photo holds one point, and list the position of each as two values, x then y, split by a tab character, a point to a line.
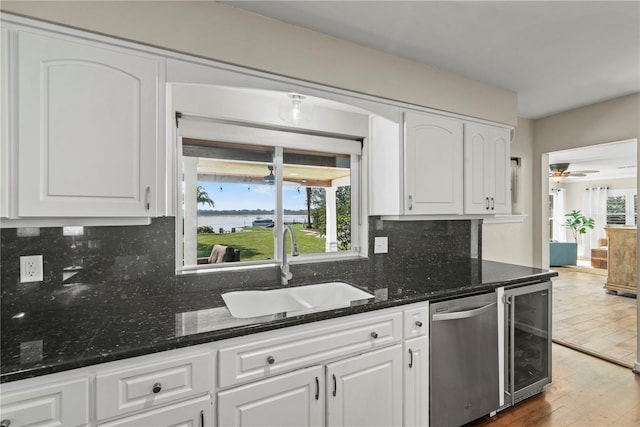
487	169
433	164
5	127
88	128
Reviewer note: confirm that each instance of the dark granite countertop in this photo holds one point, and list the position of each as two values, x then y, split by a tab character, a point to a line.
45	341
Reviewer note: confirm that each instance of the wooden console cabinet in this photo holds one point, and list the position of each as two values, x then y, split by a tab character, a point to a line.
622	259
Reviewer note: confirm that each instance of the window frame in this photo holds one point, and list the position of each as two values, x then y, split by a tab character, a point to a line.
278	137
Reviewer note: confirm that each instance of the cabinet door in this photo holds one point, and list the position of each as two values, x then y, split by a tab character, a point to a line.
476	185
500	179
88	128
416	382
288	400
366	390
192	413
6	143
433	165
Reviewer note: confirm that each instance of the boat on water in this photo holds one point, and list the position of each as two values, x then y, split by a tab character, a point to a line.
260	222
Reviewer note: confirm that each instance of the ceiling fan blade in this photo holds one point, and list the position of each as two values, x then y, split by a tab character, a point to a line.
584	171
576	174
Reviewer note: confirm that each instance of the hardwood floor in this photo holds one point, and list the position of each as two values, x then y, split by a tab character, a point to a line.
585	392
587	318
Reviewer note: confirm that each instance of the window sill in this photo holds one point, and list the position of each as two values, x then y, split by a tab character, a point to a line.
268	264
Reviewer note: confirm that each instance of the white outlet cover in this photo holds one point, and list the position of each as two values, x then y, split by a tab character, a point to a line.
31	269
380	245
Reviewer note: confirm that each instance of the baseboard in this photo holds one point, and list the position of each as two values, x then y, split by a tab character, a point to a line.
596	354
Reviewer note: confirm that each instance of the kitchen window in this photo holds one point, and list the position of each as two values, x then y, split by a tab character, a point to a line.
241	184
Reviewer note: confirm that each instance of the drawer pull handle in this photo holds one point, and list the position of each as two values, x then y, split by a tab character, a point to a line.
410	358
374	335
418	324
5	423
201	418
271	360
157	388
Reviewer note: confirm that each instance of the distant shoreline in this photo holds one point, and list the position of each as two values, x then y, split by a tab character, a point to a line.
244	212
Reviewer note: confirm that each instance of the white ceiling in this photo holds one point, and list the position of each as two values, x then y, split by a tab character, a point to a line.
615	160
557	55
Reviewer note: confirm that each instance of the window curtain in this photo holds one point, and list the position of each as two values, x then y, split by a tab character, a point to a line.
559	233
594	206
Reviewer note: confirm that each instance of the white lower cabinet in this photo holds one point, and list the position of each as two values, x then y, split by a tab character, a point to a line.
64	403
366	390
363	390
150	384
416	382
368	370
192	413
289	400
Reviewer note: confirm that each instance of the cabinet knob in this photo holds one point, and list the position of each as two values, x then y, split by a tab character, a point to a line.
157	388
418	324
374	335
271	360
5	423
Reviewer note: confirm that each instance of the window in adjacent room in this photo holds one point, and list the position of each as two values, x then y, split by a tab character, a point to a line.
622	207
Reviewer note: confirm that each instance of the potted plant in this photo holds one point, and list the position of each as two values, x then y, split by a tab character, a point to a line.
566	253
578	223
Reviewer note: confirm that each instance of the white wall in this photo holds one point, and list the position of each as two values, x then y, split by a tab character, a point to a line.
512	242
575	190
221	32
609	121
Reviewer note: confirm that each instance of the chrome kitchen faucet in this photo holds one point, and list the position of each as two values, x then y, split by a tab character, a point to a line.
285	274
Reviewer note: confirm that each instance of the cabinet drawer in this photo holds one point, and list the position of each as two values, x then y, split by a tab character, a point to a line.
147	385
60	404
416	321
309	344
193	413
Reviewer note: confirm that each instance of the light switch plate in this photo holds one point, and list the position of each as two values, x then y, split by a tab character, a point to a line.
381	245
31	268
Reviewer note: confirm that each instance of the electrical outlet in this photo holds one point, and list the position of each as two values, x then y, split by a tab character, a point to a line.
31	268
381	245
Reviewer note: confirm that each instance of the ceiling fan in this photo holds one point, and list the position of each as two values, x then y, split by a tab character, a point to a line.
558	171
271	178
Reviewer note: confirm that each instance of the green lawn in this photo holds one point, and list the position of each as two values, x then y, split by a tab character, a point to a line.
256	243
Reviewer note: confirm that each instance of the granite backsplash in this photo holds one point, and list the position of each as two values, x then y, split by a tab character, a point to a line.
105	265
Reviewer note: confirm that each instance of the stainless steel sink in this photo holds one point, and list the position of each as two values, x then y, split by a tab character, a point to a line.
293	301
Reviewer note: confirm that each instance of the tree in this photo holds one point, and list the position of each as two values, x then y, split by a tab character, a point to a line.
343	214
203	197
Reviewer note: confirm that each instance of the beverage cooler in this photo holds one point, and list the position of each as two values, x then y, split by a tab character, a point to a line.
527	341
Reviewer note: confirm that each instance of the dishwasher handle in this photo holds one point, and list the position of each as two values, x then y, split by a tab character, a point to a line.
462	314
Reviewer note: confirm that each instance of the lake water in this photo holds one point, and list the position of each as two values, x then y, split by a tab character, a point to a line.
228	222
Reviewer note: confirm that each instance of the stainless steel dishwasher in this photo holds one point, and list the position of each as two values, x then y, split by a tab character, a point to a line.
464	360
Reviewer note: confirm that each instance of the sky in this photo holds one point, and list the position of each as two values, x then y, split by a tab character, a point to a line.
253	196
